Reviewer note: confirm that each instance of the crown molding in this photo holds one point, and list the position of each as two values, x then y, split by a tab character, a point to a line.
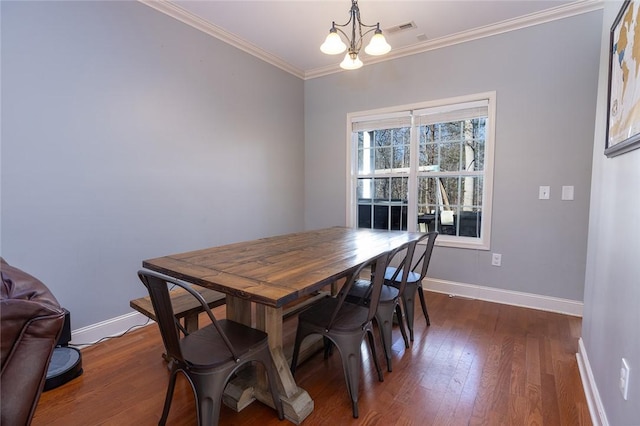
560	12
175	11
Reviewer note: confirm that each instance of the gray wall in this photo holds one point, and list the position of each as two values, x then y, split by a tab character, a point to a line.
128	135
545	78
612	287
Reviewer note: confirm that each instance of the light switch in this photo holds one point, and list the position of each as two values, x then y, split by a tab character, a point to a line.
544	193
567	192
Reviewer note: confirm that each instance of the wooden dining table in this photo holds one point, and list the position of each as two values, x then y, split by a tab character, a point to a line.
269	273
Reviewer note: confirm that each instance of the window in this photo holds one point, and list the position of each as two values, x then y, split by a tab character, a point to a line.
425	167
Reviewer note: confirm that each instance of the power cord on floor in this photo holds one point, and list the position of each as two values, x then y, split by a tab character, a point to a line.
133	327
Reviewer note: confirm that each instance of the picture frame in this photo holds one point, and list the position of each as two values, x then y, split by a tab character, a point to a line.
623	97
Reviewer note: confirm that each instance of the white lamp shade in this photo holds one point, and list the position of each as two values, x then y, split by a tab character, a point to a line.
378	45
333	44
350	63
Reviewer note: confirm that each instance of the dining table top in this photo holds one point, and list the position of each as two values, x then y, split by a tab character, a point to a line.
277	270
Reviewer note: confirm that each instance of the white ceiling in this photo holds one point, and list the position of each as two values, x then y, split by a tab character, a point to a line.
289	33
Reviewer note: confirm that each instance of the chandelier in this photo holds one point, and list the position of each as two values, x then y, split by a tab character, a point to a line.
334	45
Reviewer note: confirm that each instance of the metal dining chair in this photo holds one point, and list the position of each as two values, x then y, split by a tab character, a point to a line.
345	325
414	282
207	356
389	298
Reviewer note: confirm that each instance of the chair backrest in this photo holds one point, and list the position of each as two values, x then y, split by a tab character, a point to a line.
378	265
405	264
425	258
158	288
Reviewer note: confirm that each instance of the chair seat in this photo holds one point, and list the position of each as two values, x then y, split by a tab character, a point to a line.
350	317
388	275
359	293
205	348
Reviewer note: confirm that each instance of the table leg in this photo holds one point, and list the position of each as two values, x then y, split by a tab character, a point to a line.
296	401
240	391
191	322
243	390
239	310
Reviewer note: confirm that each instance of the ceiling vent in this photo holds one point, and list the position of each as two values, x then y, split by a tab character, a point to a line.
402	27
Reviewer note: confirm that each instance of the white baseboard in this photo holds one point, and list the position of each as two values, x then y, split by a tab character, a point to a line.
113	327
596	408
507	297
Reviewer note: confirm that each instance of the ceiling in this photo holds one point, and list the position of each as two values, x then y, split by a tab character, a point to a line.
289	33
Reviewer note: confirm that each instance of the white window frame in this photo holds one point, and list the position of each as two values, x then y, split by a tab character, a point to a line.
481	243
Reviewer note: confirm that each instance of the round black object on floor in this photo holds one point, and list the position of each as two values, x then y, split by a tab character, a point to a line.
65	365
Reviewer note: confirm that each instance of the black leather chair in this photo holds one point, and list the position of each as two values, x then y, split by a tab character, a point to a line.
31	321
207	356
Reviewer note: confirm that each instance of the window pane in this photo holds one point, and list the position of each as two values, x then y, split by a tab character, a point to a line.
365	153
391	189
428	161
453	146
381	189
401	158
383	137
398	217
383	159
380	217
364	191
478	154
389	215
441	201
399	189
470	222
364	216
450	131
384	151
365	188
474	143
450	157
387	209
426	192
438	191
401	147
448	191
471	191
428	148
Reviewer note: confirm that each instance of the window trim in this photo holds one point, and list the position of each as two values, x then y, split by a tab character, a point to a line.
482	243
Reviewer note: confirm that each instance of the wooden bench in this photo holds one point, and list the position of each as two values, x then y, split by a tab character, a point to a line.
187	307
184	305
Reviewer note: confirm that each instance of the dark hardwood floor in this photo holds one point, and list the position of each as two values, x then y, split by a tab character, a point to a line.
479	363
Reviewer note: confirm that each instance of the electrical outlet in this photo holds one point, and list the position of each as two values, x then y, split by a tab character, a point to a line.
624	379
496	259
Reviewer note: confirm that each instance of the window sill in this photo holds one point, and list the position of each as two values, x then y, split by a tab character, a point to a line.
462	242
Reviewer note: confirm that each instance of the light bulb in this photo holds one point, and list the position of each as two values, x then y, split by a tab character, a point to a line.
333	43
378	45
351	61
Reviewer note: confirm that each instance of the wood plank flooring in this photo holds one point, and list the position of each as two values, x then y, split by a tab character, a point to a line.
479	363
